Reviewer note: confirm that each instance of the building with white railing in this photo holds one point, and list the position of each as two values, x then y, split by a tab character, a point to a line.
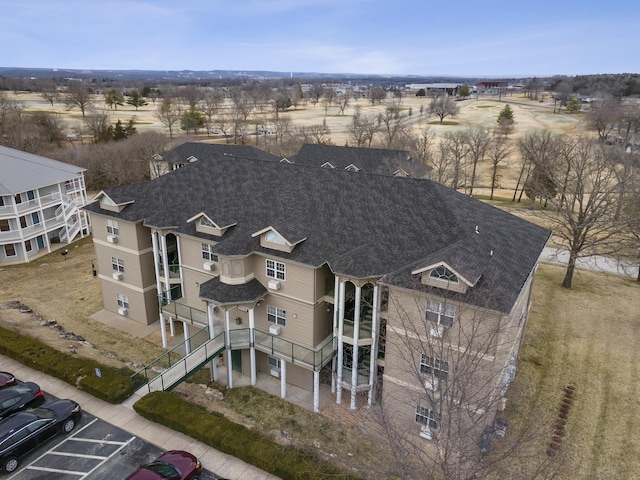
40	205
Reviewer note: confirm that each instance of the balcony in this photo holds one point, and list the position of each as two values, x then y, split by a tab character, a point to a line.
292	352
174	270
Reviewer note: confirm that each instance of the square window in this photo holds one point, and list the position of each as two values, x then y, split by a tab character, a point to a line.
117	264
434	367
275	270
427	417
10	250
112	227
440	314
207	253
122	300
276	315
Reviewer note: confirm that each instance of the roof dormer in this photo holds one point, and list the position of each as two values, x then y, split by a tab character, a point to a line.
204	224
271	238
441	275
351	168
109	203
327	165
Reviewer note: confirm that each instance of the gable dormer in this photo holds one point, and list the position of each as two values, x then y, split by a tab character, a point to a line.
401	172
108	203
441	275
327	165
271	238
351	168
204	224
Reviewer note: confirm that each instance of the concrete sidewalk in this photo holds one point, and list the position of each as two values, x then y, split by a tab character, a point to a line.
124	417
595	262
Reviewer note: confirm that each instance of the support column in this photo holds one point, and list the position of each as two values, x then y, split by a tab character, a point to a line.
252	347
375	328
156	255
356	337
336	287
227	327
187	343
212	334
165	265
283	379
163	330
340	346
316	391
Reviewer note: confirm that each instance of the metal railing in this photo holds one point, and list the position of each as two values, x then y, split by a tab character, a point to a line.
173	366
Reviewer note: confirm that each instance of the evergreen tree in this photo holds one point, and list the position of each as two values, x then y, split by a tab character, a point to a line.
113	98
134	98
506	120
464	91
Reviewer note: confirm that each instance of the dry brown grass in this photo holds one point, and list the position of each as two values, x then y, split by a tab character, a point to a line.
62	288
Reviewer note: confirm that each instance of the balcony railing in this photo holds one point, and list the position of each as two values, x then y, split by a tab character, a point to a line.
183	312
294	353
174	270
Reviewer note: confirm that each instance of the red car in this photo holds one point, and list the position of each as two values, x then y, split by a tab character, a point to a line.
173	465
7	379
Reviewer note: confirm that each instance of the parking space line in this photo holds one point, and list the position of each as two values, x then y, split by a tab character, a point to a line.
93	440
56	470
79	455
113	454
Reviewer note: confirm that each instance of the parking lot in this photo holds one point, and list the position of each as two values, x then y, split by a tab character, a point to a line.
94	450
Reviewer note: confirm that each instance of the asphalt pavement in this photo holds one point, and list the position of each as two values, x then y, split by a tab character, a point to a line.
124	416
597	263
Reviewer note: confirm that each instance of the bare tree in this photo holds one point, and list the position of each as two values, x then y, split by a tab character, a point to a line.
454	151
169	114
603	116
447	370
538	151
209	107
498	151
442	106
478	139
78	95
392	124
587	218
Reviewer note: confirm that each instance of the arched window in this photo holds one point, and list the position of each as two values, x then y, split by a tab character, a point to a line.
443	273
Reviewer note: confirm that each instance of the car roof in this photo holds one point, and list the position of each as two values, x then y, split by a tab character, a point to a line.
21	388
15	421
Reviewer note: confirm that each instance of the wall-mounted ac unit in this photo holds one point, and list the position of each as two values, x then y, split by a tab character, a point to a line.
274	285
275	372
425	432
274	329
209	266
431	383
437	331
112	238
117	275
123	311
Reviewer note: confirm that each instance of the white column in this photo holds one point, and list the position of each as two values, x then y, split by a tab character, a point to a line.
165	264
375	328
336	288
340	331
172	327
227	327
163	330
180	265
212	334
316	391
283	379
252	347
156	254
187	343
356	337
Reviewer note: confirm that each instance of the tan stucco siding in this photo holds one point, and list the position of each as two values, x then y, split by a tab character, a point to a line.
299	282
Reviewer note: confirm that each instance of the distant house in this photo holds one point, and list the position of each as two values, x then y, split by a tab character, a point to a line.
40	204
370	160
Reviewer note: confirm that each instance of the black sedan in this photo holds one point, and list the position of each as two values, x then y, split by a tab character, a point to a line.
22	432
19	397
173	465
7	379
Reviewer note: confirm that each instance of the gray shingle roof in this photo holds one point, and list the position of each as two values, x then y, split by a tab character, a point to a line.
223	294
361	225
201	151
370	160
22	171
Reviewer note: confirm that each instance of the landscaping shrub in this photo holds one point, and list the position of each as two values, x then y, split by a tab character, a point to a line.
113	386
287	462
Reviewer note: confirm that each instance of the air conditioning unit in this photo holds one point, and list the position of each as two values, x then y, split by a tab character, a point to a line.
117	275
275	372
209	266
274	329
431	383
123	311
112	238
425	432
274	285
437	331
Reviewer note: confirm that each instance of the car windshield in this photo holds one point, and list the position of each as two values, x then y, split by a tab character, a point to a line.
43	413
165	470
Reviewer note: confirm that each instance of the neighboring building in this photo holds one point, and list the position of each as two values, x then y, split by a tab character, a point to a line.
313	275
40	204
370	160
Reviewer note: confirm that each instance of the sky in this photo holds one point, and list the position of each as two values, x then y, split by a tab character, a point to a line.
483	38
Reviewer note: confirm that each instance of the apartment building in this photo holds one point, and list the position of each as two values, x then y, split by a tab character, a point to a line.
324	276
41	204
